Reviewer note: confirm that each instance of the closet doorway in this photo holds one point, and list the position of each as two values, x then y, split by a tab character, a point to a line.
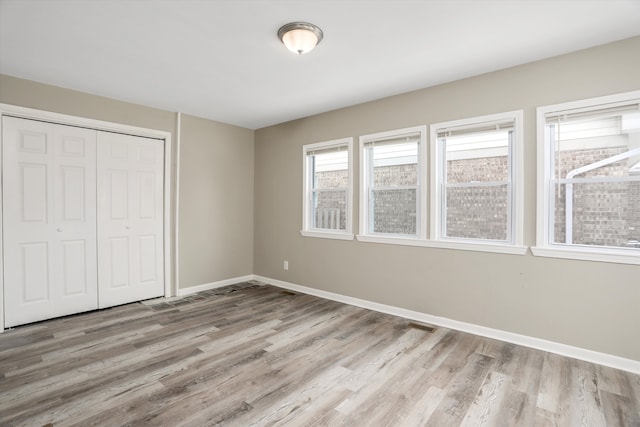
83	219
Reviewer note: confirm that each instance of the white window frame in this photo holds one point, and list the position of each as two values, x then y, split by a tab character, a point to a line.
514	244
421	211
307	189
544	246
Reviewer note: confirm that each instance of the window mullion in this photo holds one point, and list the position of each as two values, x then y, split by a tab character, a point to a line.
311	210
370	195
475	184
443	187
510	192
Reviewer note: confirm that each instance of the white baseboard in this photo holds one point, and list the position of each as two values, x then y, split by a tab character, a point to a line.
604	359
213	285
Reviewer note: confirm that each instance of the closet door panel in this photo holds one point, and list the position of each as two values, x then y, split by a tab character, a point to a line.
148	258
32	275
49	220
117	271
32	192
74	267
130	218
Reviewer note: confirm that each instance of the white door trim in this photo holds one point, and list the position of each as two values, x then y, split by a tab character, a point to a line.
64	119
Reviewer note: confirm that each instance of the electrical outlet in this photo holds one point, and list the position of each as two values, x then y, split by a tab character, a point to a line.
285	265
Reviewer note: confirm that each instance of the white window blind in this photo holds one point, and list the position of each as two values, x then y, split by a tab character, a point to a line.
474	129
410	138
593	112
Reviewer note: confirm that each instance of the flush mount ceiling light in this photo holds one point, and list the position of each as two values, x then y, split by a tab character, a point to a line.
300	37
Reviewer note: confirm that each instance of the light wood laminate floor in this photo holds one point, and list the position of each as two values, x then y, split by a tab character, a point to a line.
258	355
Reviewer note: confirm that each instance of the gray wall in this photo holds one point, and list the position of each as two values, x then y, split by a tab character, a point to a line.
593	305
209	250
216	202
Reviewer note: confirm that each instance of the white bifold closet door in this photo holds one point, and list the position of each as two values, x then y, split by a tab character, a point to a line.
130	218
82	218
49	220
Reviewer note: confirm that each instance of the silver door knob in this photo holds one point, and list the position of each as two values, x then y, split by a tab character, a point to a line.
58	229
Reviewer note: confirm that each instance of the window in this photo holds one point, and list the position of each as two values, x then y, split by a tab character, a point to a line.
589	179
327	189
392	184
476	181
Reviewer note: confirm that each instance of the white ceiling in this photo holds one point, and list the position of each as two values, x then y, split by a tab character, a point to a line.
222	59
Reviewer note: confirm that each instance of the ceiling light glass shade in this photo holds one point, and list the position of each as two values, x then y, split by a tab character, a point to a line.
300	37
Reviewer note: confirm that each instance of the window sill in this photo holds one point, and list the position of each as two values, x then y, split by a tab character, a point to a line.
500	248
465	246
621	256
327	234
392	240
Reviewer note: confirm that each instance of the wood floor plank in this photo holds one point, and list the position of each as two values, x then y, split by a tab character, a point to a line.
420	410
555	383
619	410
321	411
464	386
518	407
111	367
585	402
187	395
544	418
287	409
53	407
485	409
394	383
254	355
461	347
